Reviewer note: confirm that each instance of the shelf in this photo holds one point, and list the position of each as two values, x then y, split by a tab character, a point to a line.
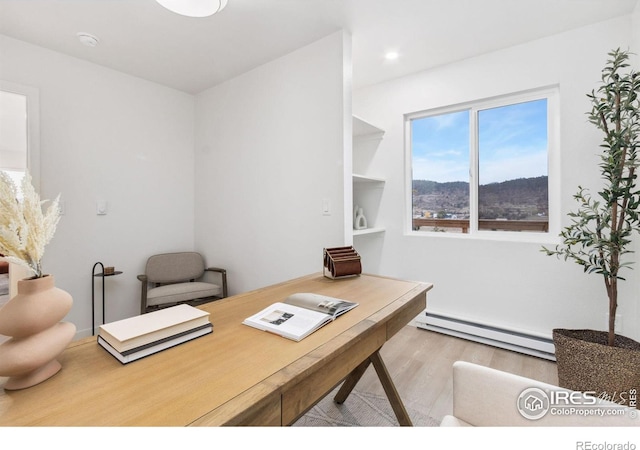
363	128
117	272
373	230
366	179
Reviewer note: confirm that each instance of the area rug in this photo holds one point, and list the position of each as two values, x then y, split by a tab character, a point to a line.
361	409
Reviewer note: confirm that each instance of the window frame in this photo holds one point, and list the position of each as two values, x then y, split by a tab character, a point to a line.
552	96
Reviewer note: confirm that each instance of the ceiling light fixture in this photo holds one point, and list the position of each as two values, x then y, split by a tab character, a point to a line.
88	39
391	56
194	8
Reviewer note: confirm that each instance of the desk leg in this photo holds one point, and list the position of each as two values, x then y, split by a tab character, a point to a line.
351	381
387	383
390	389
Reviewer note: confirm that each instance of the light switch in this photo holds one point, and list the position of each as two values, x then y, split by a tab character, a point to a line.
101	207
326	207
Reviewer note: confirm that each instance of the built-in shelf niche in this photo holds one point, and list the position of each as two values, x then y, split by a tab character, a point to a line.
367	188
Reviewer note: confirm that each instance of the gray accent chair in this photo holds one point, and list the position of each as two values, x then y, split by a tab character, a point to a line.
174	278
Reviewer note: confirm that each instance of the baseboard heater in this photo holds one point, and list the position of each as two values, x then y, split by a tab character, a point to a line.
490	335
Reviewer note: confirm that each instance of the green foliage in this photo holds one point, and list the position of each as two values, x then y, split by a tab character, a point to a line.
601	228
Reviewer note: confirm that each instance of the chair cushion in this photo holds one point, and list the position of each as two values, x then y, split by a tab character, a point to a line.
174	267
181	292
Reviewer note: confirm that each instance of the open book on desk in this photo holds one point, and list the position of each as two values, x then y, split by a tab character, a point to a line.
299	315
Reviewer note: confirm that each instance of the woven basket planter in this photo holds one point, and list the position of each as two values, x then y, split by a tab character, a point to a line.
586	363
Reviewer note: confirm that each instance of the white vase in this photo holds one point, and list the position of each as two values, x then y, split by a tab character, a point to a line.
32	320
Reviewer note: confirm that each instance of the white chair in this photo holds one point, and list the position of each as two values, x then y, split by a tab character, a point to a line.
487	397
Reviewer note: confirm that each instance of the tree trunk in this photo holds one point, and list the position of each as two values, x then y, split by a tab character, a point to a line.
612	292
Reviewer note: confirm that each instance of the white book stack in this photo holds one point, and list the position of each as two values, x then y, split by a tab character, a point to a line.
136	337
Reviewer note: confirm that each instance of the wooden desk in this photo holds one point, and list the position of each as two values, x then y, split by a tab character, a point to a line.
236	375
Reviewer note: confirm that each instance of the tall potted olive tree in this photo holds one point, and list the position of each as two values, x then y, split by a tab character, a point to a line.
599	237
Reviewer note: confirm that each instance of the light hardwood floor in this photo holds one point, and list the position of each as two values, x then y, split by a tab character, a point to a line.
420	363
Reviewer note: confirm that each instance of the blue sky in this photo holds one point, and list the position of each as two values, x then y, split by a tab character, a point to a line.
512	143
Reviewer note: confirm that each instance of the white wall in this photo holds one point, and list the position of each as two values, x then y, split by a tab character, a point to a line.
269	149
508	284
108	136
635	27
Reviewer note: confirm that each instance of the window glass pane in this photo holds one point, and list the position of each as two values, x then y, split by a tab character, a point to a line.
440	166
13	136
512	167
13	131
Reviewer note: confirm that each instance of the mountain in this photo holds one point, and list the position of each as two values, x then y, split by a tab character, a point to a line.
518	199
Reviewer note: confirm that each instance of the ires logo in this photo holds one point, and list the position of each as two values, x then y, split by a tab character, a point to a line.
535	403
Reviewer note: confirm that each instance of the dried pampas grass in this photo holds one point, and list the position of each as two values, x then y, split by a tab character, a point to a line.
24	229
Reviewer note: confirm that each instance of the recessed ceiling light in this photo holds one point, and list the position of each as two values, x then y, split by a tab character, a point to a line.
391	56
194	8
88	39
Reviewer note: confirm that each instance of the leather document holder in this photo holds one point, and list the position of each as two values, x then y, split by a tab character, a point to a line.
341	262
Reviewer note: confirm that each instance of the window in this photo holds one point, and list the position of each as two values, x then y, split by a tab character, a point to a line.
19	149
483	167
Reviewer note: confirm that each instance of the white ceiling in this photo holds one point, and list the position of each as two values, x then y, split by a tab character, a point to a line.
142	38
